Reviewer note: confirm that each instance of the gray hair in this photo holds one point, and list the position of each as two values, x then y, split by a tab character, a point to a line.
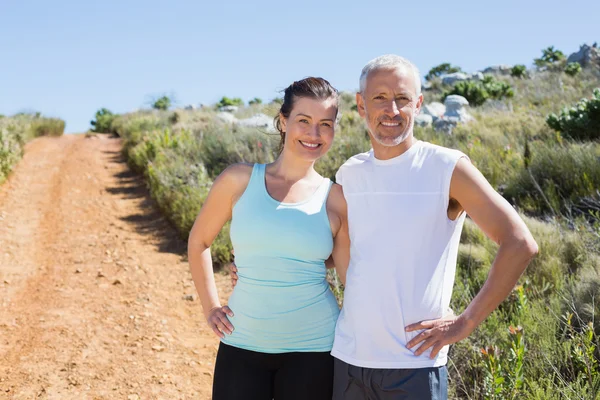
389	61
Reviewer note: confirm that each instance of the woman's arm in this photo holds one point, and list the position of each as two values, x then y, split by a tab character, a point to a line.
215	212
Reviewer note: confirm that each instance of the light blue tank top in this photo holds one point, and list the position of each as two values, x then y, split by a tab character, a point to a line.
282	301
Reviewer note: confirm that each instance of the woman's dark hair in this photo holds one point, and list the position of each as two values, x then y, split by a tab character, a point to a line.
311	87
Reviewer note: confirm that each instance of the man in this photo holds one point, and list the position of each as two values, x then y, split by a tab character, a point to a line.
407	202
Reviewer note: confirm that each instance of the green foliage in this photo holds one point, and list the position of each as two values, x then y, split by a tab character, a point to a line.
550	56
226	101
17	130
162	103
572	69
441	69
582	121
103	121
47	127
474	92
518	71
255	100
478	92
575	166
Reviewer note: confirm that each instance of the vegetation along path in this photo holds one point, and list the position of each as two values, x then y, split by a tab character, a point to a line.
96	300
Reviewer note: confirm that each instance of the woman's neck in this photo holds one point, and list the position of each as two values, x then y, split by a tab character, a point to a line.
292	169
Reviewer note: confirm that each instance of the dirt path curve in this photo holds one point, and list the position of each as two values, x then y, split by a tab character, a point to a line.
93	285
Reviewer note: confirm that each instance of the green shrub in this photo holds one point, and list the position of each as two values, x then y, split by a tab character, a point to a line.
474	92
478	92
441	69
582	121
518	71
47	127
497	89
103	121
162	103
226	101
572	69
255	100
550	56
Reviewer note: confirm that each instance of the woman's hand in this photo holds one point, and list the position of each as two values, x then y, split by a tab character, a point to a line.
218	321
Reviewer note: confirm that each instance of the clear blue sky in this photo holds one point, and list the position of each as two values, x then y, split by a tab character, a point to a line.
69	58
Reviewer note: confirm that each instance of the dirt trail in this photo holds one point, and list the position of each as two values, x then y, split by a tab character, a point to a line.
93	285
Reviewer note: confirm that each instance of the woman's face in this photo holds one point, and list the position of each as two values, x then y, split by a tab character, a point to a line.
309	130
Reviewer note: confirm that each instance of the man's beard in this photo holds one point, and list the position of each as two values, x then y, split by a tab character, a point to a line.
390	141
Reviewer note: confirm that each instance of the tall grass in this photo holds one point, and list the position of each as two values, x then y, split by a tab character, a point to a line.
16	131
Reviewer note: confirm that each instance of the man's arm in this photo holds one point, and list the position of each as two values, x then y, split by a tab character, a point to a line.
501	223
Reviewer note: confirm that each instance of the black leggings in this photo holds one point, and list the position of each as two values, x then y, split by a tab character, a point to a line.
250	375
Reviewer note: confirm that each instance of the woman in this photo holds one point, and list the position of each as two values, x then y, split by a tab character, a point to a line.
278	329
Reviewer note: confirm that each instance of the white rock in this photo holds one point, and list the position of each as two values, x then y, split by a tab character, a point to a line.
423	120
435	109
586	55
230	109
227	117
258	121
450	79
498	70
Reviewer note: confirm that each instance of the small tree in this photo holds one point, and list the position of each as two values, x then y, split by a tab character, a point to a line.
572	69
162	103
518	71
226	101
255	100
550	55
441	69
103	122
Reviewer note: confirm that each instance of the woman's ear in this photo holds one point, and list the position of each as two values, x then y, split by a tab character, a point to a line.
282	122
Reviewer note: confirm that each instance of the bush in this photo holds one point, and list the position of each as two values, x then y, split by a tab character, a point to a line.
163	103
474	92
255	100
518	71
103	121
48	127
550	56
226	101
582	121
572	69
441	69
478	92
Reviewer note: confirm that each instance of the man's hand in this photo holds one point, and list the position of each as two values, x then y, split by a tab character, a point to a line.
218	321
438	333
233	274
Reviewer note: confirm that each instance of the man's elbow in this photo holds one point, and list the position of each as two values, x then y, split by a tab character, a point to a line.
528	247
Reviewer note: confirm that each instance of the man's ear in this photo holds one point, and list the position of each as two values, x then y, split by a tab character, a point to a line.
360	104
419	104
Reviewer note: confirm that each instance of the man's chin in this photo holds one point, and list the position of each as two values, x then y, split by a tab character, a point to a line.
391	141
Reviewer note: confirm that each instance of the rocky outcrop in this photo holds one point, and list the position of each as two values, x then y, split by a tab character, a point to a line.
586	56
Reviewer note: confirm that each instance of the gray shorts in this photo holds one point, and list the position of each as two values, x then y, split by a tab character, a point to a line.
357	383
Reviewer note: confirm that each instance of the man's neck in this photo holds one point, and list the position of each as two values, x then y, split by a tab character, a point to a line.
388	152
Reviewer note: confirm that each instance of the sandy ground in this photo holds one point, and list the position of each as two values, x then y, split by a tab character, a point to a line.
94	288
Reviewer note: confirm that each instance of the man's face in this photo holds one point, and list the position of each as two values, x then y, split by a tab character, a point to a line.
389	105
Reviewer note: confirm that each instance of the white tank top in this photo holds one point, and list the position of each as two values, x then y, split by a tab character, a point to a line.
402	256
